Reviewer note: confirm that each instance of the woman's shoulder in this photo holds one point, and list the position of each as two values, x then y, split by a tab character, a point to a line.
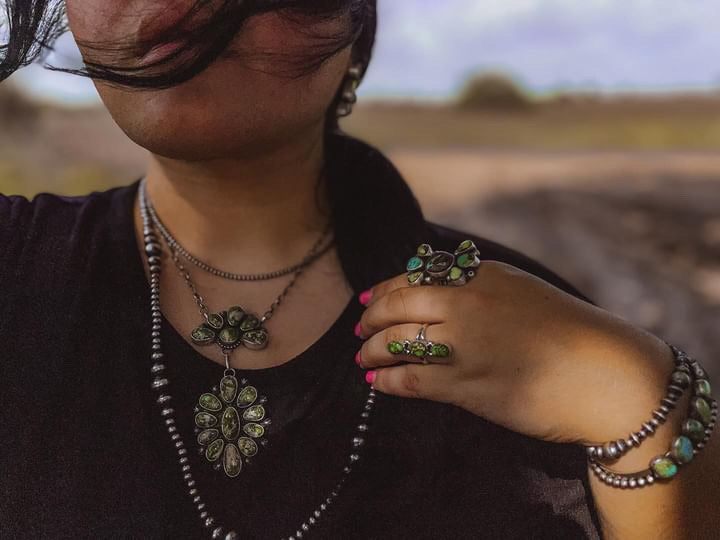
48	222
447	238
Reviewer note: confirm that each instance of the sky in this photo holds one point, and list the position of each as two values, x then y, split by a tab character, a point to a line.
427	48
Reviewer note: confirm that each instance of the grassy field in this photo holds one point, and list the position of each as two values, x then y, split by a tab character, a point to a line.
642	123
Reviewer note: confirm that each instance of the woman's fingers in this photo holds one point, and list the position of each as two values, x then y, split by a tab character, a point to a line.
407	304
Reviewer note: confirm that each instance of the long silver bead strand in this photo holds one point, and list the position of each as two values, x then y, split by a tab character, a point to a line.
160	383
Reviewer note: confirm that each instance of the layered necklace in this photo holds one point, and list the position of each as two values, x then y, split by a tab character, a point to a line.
231	419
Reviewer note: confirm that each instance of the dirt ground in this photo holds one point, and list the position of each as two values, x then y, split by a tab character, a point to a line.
637	232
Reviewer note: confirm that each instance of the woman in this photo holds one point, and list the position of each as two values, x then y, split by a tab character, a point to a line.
134	423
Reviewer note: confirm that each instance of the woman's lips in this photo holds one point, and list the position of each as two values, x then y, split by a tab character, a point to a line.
161	51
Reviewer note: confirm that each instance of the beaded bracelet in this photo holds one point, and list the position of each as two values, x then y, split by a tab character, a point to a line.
702	413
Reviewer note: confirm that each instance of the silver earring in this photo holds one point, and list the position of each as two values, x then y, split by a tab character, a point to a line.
349	97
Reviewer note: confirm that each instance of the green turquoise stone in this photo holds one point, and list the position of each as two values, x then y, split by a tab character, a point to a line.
229	335
395	347
246	396
207	436
210	402
440	349
456	273
468	260
249	322
414	277
202	335
701	409
254	430
214	449
664	467
232	462
693	429
247	446
254	413
424	249
215	320
255	339
440	262
228	387
702	387
414	263
682	449
205	420
465	245
418	349
235	315
230	423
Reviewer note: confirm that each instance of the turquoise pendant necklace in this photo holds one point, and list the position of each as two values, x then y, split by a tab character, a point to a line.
231	419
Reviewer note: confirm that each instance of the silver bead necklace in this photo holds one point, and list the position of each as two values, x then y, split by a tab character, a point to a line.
175	245
224	397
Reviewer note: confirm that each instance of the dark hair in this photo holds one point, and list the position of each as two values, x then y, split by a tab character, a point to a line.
34	25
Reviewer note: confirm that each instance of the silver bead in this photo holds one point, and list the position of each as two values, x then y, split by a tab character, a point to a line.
623	482
217	532
659	416
358	441
209	521
641	481
354	457
232	535
156	368
196	499
632	482
168	411
175	436
163	398
158	382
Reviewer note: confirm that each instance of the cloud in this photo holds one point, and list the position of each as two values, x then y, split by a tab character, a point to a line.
428	47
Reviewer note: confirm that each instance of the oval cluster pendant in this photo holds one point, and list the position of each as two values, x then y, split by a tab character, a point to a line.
230	329
230	422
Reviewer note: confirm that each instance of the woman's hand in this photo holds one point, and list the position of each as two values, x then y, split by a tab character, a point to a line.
526	355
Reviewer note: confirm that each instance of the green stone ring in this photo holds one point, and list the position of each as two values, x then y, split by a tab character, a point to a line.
429	267
420	347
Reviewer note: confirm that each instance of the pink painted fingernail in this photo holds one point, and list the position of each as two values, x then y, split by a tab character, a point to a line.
358	329
358	360
365	297
370	377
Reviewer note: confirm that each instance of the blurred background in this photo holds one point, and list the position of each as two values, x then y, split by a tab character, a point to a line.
584	134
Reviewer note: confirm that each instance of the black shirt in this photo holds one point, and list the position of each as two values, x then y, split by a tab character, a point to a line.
85	452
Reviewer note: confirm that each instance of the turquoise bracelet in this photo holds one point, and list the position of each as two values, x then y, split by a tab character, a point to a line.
696	429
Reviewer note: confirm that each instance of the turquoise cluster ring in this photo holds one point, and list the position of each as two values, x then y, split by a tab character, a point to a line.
420	347
428	267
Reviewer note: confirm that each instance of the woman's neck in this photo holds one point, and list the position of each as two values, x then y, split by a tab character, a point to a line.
252	214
